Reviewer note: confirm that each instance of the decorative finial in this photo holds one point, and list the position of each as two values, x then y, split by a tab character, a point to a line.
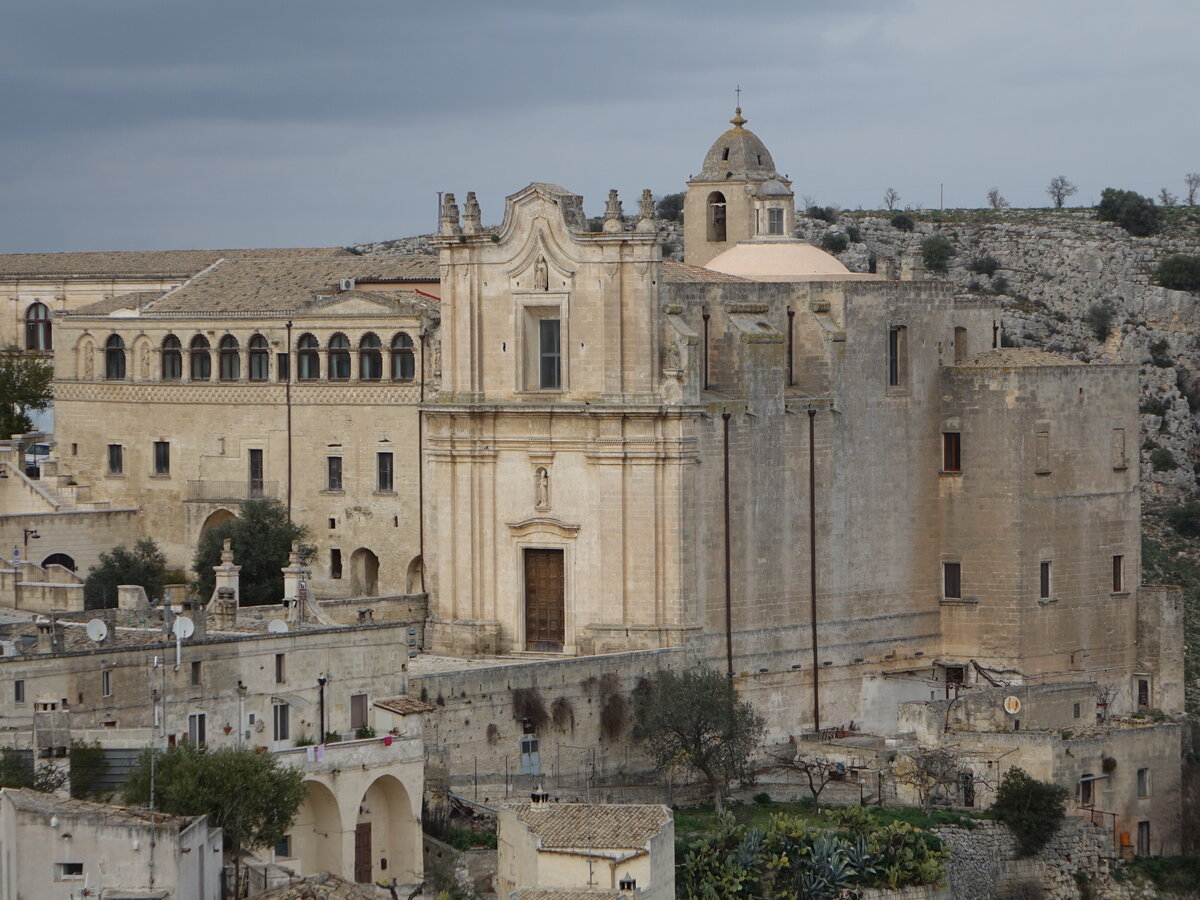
612	212
737	121
472	223
449	217
646	212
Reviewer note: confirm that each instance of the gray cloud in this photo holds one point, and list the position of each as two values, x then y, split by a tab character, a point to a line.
155	124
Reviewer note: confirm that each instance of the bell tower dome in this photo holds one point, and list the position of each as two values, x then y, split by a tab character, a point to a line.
737	196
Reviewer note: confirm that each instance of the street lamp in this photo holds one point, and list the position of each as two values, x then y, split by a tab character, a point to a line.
29	533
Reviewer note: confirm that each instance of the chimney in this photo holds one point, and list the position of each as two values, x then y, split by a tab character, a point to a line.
197	611
226	593
49	636
540	798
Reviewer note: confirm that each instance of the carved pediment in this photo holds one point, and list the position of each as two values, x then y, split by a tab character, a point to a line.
543	525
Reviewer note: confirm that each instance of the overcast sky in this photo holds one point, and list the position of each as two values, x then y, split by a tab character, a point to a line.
157	124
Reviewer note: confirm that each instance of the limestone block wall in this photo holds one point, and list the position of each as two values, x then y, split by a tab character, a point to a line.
81	534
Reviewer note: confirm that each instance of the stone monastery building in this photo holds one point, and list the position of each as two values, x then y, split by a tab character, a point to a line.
829	479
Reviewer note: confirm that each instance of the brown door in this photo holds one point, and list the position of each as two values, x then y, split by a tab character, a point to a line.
544	600
362	853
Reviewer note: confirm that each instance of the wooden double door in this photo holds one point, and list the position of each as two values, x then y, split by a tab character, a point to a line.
545	585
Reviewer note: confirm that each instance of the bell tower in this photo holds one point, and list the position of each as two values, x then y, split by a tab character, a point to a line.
737	196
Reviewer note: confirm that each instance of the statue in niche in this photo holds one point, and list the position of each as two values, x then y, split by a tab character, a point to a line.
541	276
89	364
543	487
674	357
436	346
145	362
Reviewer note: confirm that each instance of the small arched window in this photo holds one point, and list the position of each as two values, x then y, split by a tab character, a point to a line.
37	328
716	216
339	358
172	358
230	359
114	358
201	361
370	358
403	359
260	358
308	360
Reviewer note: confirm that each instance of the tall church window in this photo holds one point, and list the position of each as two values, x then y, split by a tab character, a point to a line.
403	359
897	356
370	358
230	359
172	358
339	358
549	354
114	358
37	328
199	359
308	360
716	216
775	221
260	358
952	581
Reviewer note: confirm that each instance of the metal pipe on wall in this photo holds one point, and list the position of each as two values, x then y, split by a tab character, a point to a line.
728	577
812	564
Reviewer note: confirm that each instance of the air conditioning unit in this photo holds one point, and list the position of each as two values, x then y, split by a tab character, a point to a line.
346	284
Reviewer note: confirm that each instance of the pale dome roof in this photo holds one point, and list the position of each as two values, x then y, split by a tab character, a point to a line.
778	260
738	154
773	188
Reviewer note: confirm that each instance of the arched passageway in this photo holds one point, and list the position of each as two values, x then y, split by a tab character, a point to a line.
216	518
387	837
316	838
364	573
59	559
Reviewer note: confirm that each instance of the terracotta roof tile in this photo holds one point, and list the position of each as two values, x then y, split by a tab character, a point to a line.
140	263
1017	358
404	705
593	825
37	801
679	273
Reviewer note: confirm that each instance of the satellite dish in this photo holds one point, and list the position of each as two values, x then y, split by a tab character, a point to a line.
97	630
183	627
1012	705
278	626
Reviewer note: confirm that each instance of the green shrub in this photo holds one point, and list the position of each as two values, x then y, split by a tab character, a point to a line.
762	798
824	213
1153	407
1099	318
1180	272
834	242
936	252
88	766
903	222
364	731
854	234
1185	518
1031	809
1136	214
1158	354
1163	460
1000	285
670	207
984	265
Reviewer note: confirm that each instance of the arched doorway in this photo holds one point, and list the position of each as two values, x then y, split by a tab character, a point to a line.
387	838
413	580
316	838
216	518
716	216
364	573
59	559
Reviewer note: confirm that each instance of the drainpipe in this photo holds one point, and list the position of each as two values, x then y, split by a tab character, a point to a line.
321	687
728	580
423	337
812	564
287	393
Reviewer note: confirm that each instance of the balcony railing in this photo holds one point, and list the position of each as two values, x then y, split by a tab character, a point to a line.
250	489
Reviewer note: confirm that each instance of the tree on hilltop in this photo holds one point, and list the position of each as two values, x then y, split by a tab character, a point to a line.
890	198
670	207
1060	189
995	201
1192	180
1136	214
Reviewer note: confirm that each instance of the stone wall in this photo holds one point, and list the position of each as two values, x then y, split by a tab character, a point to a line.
983	861
1054	265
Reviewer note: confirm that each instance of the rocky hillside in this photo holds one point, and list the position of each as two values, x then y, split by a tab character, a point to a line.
1060	275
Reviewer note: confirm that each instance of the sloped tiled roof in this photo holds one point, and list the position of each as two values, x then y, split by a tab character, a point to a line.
404	705
133	300
140	263
607	826
680	273
49	804
1017	358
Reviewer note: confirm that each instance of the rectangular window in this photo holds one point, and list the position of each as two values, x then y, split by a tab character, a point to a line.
116	459
335	563
951	448
774	221
531	757
282	366
549	354
383	472
279	713
283	850
952	580
1041	452
333	473
1044	581
1075	711
897	356
280	668
1118	574
68	871
1085	789
256	473
196	672
358	711
19	691
1143	692
196	730
162	458
1143	778
106	683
